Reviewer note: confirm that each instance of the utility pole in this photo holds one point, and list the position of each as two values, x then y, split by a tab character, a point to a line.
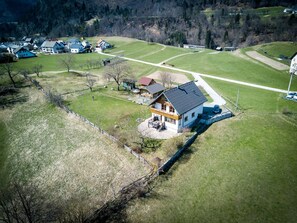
237	98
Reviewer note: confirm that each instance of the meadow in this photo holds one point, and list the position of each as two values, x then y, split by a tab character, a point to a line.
239	170
72	164
277	50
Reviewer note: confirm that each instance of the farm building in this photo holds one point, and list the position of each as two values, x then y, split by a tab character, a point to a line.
178	107
129	84
153	90
146	81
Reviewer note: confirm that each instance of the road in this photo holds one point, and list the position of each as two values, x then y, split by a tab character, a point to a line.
217	99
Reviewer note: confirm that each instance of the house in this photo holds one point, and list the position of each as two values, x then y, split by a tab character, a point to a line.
178	107
102	45
229	48
129	84
146	81
192	46
52	47
77	48
153	90
22	52
87	46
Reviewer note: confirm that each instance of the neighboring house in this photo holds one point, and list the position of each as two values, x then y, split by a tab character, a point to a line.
77	48
153	90
87	46
52	47
129	84
12	47
102	45
29	40
192	46
22	52
146	81
178	107
3	48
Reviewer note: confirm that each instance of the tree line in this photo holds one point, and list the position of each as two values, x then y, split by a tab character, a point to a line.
225	22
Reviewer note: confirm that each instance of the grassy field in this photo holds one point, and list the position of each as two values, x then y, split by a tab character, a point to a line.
276	50
150	52
240	170
67	159
108	109
51	62
229	65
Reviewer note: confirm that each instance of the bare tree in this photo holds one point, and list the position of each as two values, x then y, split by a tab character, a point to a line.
167	79
19	203
37	69
67	61
9	69
117	70
90	81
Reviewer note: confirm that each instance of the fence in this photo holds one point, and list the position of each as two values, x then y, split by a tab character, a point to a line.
217	118
169	163
100	130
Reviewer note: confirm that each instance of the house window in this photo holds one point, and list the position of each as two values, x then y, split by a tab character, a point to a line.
170	120
171	109
163	107
186	118
193	114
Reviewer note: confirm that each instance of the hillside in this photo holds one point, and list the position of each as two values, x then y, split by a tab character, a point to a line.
210	23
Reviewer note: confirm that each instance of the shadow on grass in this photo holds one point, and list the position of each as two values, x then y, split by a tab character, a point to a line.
10	96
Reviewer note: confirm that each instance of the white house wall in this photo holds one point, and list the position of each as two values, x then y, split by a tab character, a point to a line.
198	110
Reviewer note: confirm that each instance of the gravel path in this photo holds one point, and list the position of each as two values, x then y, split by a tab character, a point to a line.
270	62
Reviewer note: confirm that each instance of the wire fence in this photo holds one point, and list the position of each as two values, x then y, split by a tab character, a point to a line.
85	120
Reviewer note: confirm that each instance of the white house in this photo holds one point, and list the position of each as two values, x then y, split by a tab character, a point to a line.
77	48
178	107
102	45
52	47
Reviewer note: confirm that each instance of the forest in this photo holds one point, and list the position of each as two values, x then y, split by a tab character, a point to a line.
204	22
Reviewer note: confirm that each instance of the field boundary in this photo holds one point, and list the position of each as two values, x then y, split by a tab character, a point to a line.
100	130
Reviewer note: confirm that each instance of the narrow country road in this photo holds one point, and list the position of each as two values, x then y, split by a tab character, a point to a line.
217	99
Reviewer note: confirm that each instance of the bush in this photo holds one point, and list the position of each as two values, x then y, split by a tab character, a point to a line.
170	146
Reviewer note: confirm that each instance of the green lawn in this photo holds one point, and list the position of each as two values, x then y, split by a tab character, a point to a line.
226	64
240	170
108	109
165	54
51	62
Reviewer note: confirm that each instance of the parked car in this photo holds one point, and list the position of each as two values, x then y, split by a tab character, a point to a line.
216	109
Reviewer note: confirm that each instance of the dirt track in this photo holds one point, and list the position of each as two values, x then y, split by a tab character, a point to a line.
272	63
178	78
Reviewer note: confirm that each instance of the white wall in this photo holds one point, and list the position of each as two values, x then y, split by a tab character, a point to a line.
198	110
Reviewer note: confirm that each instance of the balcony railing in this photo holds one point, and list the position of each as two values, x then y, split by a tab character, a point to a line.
165	113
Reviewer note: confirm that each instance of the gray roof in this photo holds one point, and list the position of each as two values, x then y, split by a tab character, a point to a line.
76	46
184	97
49	44
155	88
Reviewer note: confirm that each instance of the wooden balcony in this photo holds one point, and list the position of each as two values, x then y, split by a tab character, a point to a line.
165	114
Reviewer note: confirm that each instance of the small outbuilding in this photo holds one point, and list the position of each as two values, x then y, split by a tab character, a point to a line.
129	84
146	81
154	90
